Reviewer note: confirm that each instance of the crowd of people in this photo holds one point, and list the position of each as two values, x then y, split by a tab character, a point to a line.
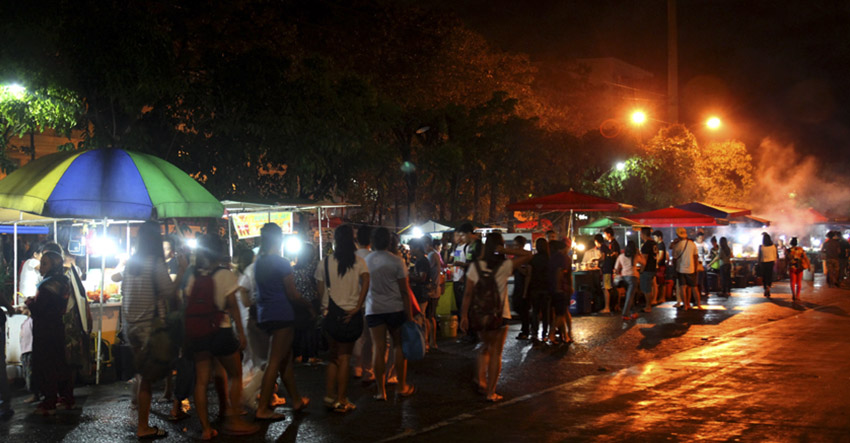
244	325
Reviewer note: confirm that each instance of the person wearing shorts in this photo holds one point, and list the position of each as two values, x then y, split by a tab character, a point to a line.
685	257
610	251
387	308
649	251
220	346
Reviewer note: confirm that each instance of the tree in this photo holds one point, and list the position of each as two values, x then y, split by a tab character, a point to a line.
725	172
24	112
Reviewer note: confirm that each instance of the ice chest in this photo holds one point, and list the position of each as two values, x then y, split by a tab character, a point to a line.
580	303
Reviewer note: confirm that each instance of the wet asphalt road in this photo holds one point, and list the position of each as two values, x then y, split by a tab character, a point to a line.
746	368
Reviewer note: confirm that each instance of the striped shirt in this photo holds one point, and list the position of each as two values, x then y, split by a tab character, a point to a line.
145	290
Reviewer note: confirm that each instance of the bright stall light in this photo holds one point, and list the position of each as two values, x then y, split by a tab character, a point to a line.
713	123
103	246
815	242
580	247
192	243
293	245
417	232
638	117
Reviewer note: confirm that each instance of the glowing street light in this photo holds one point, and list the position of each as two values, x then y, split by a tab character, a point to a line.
713	123
638	117
15	90
621	166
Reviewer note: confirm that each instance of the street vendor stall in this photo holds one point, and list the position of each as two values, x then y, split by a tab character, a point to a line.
105	185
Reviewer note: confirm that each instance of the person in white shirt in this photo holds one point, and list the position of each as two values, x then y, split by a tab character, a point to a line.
490	354
685	258
626	267
767	259
592	257
361	355
343	279
30	276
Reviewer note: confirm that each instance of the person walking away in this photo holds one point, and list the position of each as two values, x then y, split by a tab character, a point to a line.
486	297
685	259
6	411
361	356
276	293
520	296
473	250
50	368
146	288
649	256
627	268
798	262
437	278
831	253
842	257
538	287
211	311
661	279
387	308
724	264
610	251
307	336
560	290
419	275
767	259
702	254
343	281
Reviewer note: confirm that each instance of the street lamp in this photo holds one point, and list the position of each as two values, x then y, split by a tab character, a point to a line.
621	166
713	123
638	117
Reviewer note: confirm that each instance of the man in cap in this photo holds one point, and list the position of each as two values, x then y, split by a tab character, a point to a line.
685	258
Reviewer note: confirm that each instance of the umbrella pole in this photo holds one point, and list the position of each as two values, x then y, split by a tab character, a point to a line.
128	237
55	235
100	308
15	263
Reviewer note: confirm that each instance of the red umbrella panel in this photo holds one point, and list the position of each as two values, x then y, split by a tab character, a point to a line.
569	201
674	217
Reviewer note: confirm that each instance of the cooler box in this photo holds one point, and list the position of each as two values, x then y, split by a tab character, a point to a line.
581	303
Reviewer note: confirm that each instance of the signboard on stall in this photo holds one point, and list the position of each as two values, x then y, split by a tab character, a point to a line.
248	225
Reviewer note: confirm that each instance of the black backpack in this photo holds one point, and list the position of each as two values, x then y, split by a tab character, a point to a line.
485	310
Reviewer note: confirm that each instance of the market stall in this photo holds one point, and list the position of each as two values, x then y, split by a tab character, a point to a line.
105	185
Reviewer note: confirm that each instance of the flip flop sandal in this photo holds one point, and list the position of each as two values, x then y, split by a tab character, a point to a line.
408	393
156	435
213	434
274	417
304	403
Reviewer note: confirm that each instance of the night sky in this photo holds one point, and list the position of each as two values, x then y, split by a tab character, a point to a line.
770	69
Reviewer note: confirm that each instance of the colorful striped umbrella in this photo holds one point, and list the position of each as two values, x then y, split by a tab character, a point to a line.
106	183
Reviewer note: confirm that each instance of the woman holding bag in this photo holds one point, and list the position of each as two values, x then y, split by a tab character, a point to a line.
343	280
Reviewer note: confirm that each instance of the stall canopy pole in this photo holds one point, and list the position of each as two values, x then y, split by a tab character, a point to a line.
15	263
319	217
55	234
100	309
128	237
230	236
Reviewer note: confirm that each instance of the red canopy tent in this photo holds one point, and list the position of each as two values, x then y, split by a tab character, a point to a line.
674	217
569	201
715	211
543	224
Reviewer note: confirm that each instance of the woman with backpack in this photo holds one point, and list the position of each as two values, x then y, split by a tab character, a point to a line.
485	307
343	283
210	306
626	267
276	294
798	262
